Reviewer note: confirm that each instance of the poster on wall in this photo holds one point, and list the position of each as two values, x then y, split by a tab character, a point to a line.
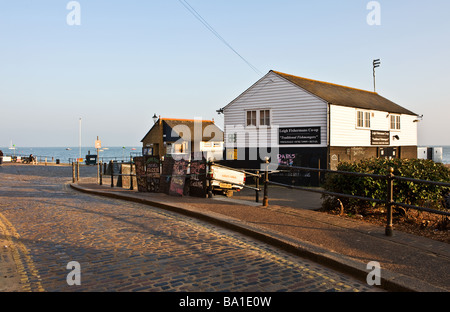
197	181
178	177
299	135
153	175
141	178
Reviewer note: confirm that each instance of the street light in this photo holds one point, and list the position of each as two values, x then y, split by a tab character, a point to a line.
79	139
376	63
155	118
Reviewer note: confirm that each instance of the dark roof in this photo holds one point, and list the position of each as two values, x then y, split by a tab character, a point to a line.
214	131
346	96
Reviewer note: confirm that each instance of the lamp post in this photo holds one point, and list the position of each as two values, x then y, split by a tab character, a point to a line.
376	63
155	118
79	139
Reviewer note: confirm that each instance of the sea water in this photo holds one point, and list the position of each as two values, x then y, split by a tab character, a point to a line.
69	154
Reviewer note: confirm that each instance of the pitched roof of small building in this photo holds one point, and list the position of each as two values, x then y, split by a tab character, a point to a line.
213	130
346	96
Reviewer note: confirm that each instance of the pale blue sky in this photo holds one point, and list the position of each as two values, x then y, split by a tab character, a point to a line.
130	59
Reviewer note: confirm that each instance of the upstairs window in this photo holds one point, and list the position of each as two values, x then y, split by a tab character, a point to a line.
258	118
362	119
251	118
264	117
395	122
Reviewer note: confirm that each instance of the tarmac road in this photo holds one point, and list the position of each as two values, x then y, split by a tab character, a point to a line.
123	246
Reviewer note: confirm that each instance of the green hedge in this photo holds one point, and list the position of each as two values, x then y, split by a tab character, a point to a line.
418	194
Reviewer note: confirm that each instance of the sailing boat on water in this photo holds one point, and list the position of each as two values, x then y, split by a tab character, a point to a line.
13	147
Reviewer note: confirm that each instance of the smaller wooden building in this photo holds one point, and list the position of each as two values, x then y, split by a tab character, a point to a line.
170	136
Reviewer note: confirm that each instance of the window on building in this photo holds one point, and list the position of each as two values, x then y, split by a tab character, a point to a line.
147	151
251	118
395	122
179	148
258	118
362	119
366	119
264	117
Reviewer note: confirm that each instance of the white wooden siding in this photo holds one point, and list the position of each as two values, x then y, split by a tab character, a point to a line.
345	133
289	105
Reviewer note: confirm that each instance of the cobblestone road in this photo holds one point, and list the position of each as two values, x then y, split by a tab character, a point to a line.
123	246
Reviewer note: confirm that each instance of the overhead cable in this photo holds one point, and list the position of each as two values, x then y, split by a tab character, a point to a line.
211	29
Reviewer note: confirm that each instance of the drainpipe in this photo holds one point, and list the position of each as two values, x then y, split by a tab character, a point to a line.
329	136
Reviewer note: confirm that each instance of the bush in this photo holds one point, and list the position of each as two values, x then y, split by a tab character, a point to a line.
412	193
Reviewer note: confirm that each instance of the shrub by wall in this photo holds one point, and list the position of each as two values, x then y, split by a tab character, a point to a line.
418	194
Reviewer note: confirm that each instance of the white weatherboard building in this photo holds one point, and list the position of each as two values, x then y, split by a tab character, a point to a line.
311	123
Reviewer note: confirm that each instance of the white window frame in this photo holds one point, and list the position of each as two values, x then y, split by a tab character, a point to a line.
395	120
258	115
247	124
364	122
267	120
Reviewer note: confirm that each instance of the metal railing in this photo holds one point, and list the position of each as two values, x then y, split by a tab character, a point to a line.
389	178
101	173
388	201
103	159
18	158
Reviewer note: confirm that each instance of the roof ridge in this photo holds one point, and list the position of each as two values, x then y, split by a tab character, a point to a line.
181	119
324	82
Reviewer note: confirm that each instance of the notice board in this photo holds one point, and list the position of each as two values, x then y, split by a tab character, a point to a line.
177	182
140	174
153	174
197	181
380	137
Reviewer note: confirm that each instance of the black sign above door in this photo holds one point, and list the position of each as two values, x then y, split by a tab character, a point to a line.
380	137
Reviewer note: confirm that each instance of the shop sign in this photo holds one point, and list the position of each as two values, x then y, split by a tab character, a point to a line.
299	135
379	137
